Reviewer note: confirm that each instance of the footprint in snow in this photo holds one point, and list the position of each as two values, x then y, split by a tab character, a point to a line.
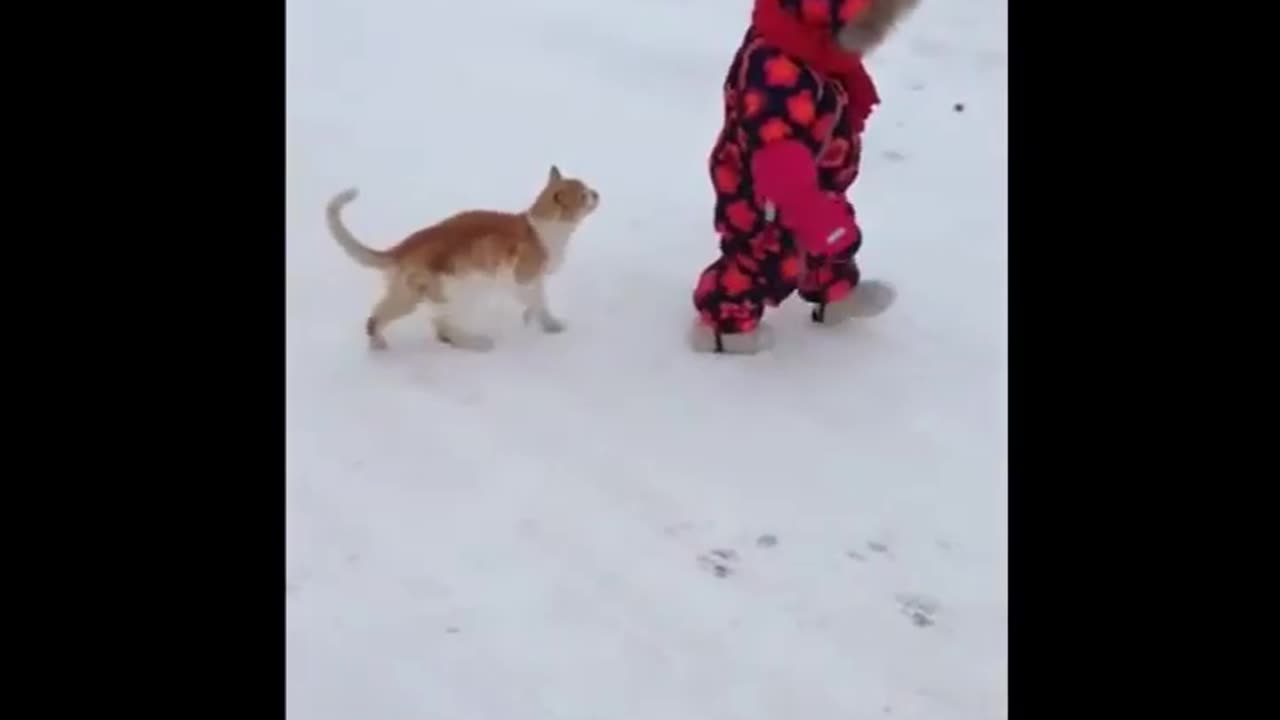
920	609
878	547
719	562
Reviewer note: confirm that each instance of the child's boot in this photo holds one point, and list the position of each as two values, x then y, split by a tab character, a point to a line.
705	339
868	299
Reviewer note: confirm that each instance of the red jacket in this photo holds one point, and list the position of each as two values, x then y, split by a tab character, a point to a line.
795	107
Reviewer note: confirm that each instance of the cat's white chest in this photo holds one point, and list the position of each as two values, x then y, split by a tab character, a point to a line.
555	238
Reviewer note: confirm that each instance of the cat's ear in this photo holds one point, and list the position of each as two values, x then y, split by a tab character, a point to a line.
555	174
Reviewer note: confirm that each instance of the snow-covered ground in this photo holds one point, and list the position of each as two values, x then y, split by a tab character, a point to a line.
600	525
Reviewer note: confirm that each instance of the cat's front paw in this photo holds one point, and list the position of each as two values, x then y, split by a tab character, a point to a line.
548	322
552	324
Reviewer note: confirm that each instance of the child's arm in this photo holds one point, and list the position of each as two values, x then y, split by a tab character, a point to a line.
778	108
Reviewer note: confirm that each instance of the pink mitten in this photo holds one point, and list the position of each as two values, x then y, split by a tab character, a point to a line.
822	225
785	174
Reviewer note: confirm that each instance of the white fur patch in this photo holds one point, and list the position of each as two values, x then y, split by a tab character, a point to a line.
477	302
555	237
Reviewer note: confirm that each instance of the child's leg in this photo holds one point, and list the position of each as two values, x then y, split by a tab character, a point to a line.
828	280
837	291
733	291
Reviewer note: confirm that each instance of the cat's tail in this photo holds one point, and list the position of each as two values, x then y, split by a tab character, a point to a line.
362	254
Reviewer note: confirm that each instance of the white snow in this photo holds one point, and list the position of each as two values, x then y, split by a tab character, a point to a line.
517	535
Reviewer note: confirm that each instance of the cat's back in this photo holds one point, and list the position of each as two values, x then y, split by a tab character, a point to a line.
473	239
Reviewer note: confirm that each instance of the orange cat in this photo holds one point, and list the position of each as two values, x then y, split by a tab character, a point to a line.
519	250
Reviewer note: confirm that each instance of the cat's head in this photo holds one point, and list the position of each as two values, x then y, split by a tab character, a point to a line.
565	199
870	27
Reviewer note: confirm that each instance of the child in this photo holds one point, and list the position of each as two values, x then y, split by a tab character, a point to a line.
796	99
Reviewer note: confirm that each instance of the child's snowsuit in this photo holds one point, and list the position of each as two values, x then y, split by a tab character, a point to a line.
794	108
